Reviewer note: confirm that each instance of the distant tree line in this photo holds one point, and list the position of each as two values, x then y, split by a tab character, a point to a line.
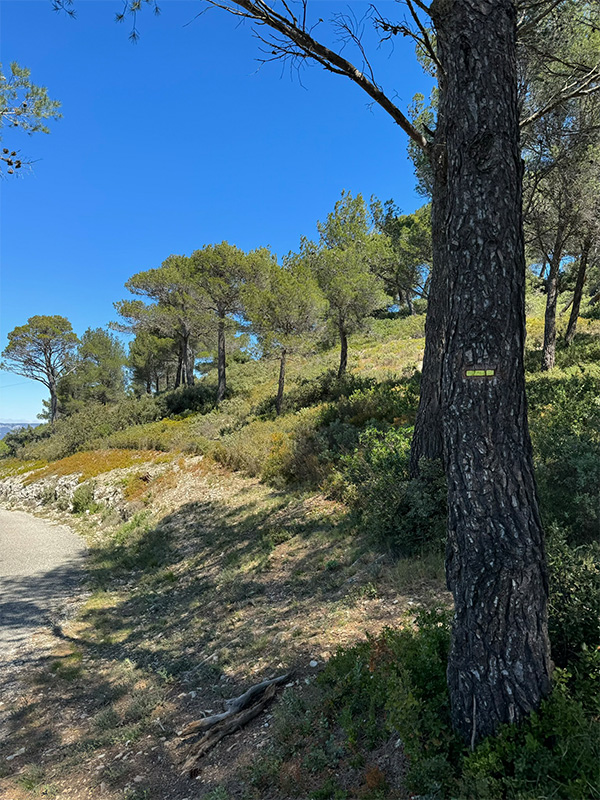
191	312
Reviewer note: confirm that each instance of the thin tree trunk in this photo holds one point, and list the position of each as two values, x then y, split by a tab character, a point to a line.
279	401
53	400
179	373
157	384
149	385
499	665
190	366
409	304
583	263
549	348
187	360
427	439
343	351
222	378
566	307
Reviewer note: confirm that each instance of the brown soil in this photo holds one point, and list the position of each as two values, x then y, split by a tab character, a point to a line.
249	583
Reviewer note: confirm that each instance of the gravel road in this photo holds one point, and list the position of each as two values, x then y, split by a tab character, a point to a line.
41	569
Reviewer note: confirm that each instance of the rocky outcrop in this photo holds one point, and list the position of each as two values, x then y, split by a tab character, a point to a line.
15	491
57	491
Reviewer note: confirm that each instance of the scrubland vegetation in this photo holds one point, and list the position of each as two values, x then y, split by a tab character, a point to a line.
334	491
296	499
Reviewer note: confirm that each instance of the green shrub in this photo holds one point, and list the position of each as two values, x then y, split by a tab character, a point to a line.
80	430
564	412
389	401
83	498
16	440
406	515
199	398
395	684
164	435
555	753
282	452
574	611
313	391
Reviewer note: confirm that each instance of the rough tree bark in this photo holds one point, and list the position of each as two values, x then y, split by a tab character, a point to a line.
222	377
549	348
499	666
279	401
581	272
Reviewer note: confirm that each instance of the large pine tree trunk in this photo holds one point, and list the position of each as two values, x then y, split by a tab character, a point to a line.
549	348
499	666
427	439
222	377
581	272
279	401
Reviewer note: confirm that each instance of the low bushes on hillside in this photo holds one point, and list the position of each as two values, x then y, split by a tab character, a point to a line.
403	514
393	687
80	430
285	451
564	411
574	613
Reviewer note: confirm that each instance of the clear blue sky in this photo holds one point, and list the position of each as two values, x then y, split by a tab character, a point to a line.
173	143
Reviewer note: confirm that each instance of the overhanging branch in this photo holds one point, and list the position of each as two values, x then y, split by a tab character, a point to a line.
298	42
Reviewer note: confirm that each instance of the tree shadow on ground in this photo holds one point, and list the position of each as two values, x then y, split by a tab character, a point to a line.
184	614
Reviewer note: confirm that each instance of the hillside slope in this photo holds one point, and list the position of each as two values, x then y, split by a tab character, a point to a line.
230	546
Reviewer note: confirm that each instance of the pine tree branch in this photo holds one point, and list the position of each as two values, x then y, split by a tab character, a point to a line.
589	85
527	25
425	41
298	42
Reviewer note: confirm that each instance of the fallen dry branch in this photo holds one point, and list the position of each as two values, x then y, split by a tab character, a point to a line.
224	728
232	706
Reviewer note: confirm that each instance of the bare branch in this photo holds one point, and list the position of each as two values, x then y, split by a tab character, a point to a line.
589	85
426	41
528	25
350	27
299	43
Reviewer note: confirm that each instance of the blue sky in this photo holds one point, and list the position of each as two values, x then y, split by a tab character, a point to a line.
173	143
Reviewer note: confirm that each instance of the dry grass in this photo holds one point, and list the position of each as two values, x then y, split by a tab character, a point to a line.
12	467
219	583
92	463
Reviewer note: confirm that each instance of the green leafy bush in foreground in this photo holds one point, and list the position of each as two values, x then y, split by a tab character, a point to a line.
395	685
407	516
564	412
574	612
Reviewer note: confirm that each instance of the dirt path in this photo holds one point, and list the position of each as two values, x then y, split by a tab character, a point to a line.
40	572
